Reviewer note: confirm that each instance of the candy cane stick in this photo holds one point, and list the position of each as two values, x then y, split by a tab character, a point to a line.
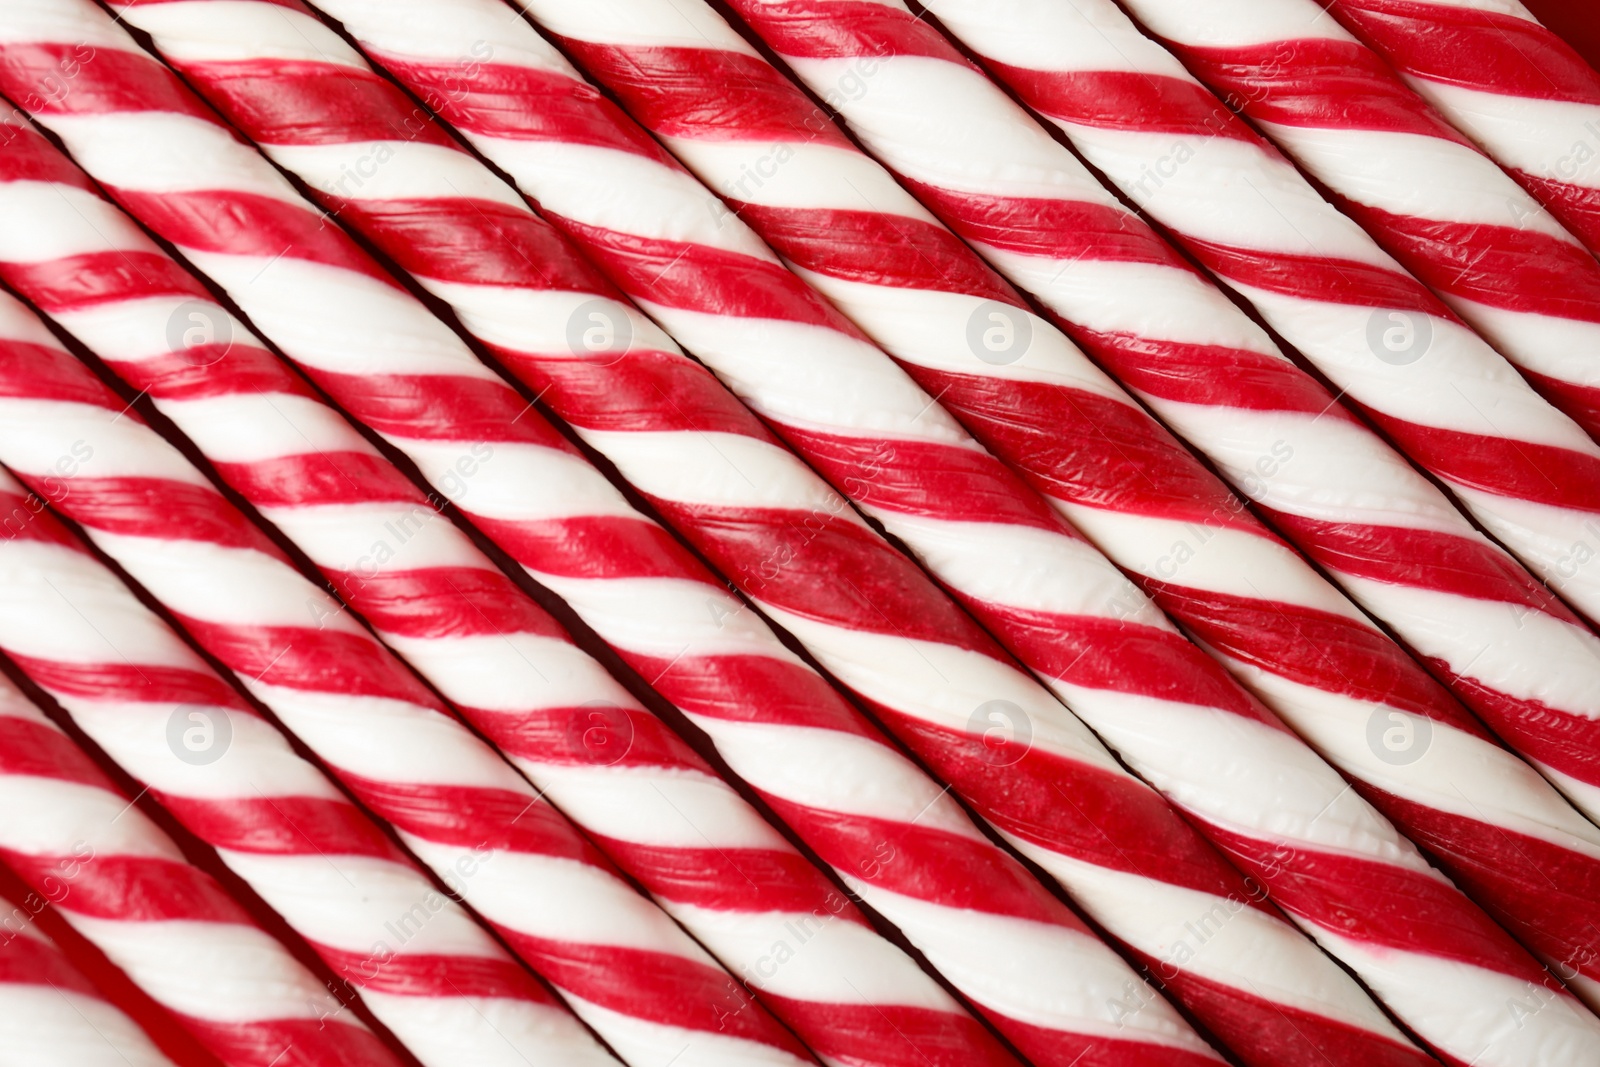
820	410
416	958
1519	91
1404	175
631	970
573	531
51	1014
654	806
124	885
1387	535
1285	633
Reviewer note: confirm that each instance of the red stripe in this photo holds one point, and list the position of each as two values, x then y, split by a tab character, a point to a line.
1126	657
472	242
1487	50
1211	375
876	248
1577	206
672	92
286	1042
29	371
1138	101
52	78
38	750
596	733
159	508
1079	446
644	389
1276	1033
775	691
442	602
455	408
1378	903
309	659
74	282
28	960
281	825
1101	817
1315	82
190	375
1043	1044
830	569
1314	277
28	157
1048	227
235	223
321	478
26	518
929	478
521	103
305	102
1395	555
894	1035
1502	266
595	547
712	281
665	989
750	880
1542	893
1567	740
1327	652
144	683
1581	403
840	29
474	817
914	861
132	888
424	975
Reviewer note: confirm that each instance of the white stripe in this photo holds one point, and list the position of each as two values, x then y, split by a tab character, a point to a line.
210	32
493	1032
46	1026
392	170
38	230
719	470
1554	139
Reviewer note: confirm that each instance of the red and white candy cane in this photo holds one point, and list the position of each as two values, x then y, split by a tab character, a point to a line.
442	985
1519	91
1489	630
52	1015
1435	203
1089	449
75	838
898	839
852	412
643	983
654	806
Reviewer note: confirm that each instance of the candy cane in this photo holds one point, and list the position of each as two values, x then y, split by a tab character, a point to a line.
654	806
1519	91
124	884
427	971
51	1014
1285	633
704	288
1106	466
574	532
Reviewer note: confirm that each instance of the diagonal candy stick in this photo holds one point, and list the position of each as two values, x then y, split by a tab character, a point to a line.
656	808
1387	535
124	884
897	838
51	1014
1283	631
1519	91
440	983
682	280
452	798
